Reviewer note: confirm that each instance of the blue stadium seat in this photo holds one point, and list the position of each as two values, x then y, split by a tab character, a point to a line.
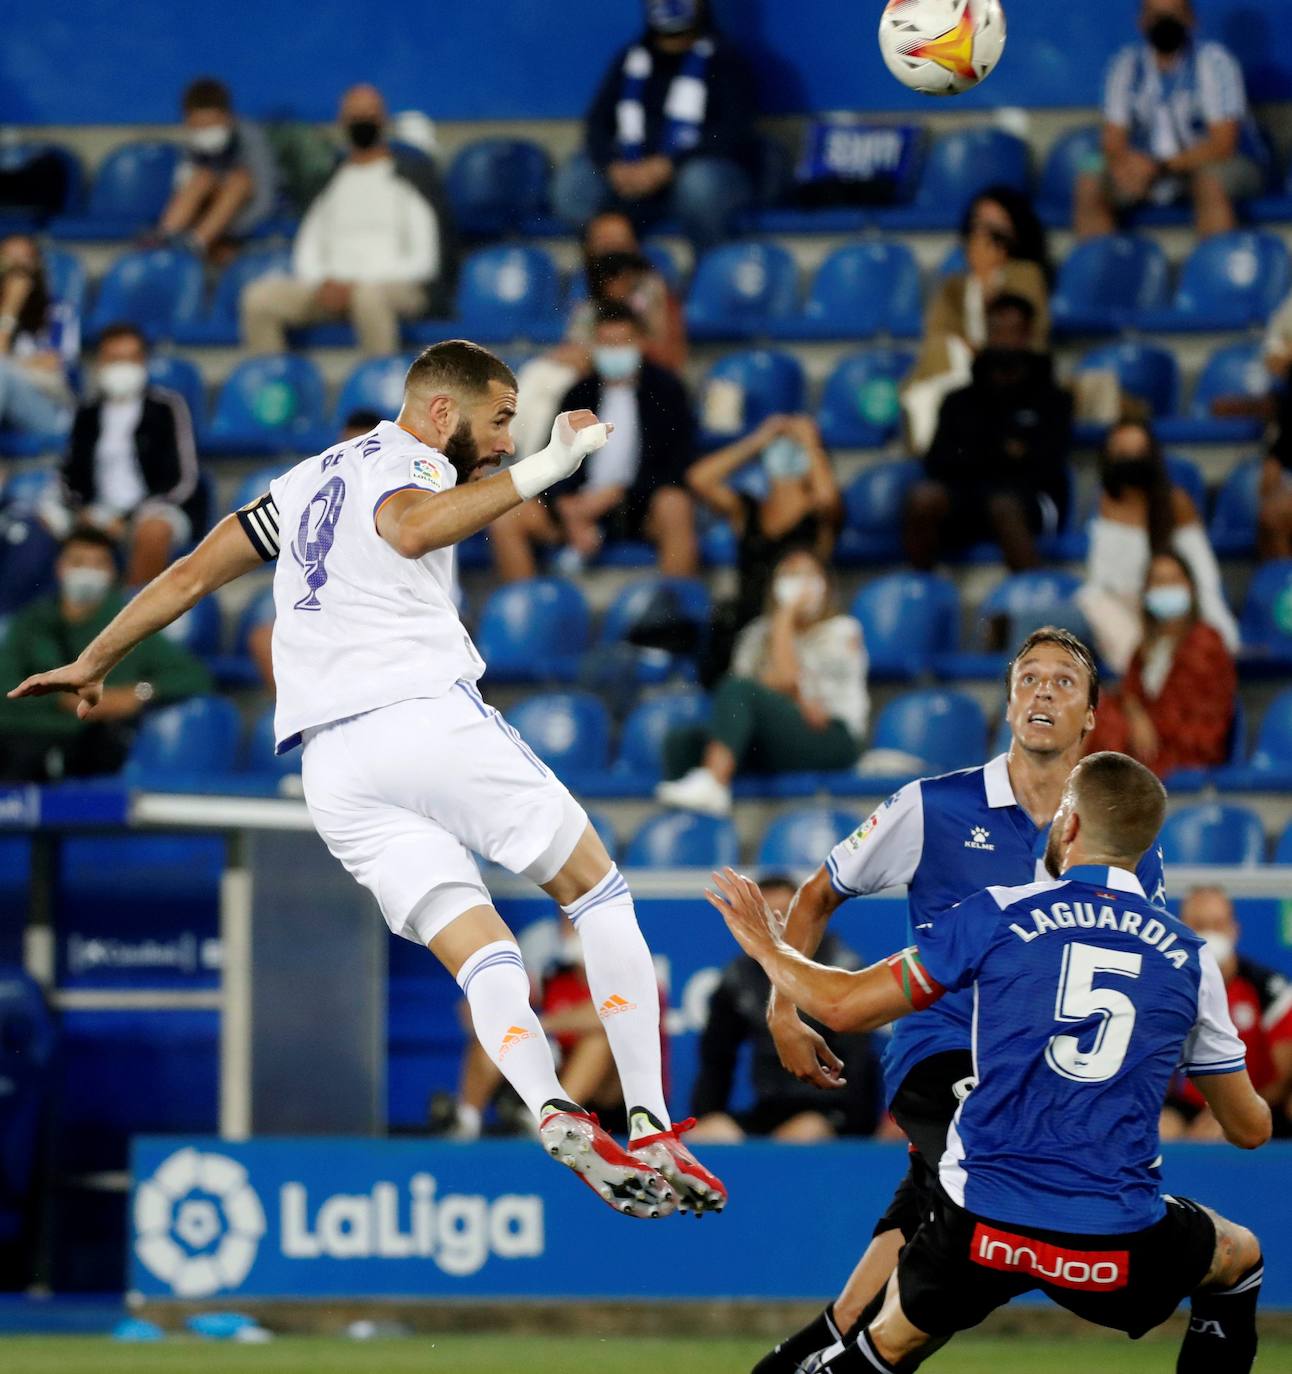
1188	477
801	838
255	485
601	823
1270	766
640	762
503	293
219	324
1213	834
569	731
157	290
1071	153
26	487
129	193
260	758
1229	281
678	839
636	599
864	288
739	289
1105	281
1266	625
1283	850
873	504
751	386
947	730
860	406
194	738
269	405
178	374
495	184
65	273
198	629
1232	370
1149	374
376	384
534	631
908	618
1233	522
960	164
1026	601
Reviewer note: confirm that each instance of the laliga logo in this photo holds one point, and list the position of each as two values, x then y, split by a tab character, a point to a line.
198	1223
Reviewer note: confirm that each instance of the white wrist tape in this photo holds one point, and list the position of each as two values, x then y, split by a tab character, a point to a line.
564	453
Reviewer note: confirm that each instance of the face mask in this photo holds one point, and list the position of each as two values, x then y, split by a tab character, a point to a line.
783	458
211	140
1221	945
363	133
1119	474
617	362
1167	34
122	381
671	16
84	586
795	589
1168	603
1006	368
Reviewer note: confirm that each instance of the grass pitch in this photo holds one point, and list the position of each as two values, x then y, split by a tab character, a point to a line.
560	1355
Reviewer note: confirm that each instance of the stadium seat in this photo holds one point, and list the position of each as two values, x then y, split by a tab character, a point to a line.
260	758
198	629
534	631
1229	281
678	839
269	405
959	165
801	838
1188	477
601	823
1266	625
1233	522
640	762
255	485
192	740
1070	154
873	504
377	384
65	273
864	288
743	389
1025	601
1232	370
1283	850
178	374
569	731
1145	372
860	407
495	184
157	290
1105	281
503	294
1213	834
670	604
129	193
1270	766
219	324
947	730
739	289
908	618
25	487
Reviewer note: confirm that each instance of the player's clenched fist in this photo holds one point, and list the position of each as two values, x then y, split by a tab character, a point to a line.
575	434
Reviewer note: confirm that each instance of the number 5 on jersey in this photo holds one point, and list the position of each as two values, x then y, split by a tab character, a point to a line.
314	538
1079	1000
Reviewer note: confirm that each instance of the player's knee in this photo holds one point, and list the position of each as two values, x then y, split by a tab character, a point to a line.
1237	1249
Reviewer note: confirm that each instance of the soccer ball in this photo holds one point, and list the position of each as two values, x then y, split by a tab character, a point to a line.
941	47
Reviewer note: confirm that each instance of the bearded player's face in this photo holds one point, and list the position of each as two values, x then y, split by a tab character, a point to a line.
482	438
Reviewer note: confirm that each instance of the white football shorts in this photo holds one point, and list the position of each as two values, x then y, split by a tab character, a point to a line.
402	796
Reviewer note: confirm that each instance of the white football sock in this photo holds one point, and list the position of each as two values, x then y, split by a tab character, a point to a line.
625	989
496	987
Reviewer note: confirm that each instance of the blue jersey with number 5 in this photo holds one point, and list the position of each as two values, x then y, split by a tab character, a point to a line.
1086	998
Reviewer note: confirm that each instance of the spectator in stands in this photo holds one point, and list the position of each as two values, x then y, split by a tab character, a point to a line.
1176	124
43	739
40	340
613	269
1005	254
1260	1003
227	184
131	464
784	1108
635	486
669	131
998	464
1274	525
1175	705
376	244
795	697
1142	514
800	508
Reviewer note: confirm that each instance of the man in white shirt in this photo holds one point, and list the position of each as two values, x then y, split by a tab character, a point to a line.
406	771
375	245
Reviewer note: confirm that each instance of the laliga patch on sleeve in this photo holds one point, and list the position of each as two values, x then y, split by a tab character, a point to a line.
862	833
426	472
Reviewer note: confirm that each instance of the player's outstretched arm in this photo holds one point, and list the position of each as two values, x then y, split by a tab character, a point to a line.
842	1000
1243	1114
224	554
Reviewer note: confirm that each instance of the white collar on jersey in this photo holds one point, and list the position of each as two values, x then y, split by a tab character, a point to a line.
1119	879
995	777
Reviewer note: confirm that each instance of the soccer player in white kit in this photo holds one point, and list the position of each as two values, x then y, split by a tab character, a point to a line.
406	769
